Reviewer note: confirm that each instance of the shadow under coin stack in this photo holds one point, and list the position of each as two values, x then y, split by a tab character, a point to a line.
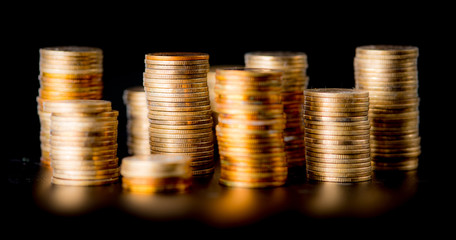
83	142
294	81
390	75
156	173
179	108
337	135
250	127
66	73
137	121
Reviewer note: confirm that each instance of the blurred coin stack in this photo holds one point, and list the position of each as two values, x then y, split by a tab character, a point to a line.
137	121
250	128
337	135
294	81
83	142
69	72
156	173
390	75
179	109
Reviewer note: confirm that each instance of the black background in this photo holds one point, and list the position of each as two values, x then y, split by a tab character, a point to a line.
328	34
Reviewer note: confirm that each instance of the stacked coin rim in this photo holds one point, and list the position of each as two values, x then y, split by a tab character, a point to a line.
179	109
250	128
337	135
66	72
83	142
294	81
390	74
135	101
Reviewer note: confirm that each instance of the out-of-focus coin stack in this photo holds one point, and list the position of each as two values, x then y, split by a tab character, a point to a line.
250	128
156	173
137	121
390	75
294	81
179	109
337	135
83	142
68	72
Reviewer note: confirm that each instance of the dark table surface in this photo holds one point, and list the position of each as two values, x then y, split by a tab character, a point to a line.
393	201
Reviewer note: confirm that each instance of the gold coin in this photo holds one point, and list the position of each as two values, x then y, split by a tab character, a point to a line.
182	145
147	76
196	117
177	56
97	182
181	136
337	155
174	85
337	124
338	146
176	62
327	160
151	81
178	67
336	93
339	179
335	119
387	50
336	104
152	96
315	149
337	132
323	165
333	170
176	71
336	142
258	184
337	128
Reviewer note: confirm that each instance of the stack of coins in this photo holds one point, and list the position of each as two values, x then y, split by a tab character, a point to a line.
179	108
137	121
250	128
294	81
390	75
83	142
67	73
156	173
337	135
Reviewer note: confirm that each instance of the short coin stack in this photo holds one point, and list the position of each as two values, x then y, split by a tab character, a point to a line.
137	121
156	173
250	128
390	75
69	72
83	142
294	81
337	135
179	108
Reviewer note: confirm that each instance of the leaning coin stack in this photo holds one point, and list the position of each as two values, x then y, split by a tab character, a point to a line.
294	81
390	75
337	135
156	173
66	73
137	121
83	142
179	109
250	128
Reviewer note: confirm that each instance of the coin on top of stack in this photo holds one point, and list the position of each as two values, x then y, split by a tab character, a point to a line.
68	72
179	109
156	173
294	81
83	142
137	121
390	74
250	128
337	135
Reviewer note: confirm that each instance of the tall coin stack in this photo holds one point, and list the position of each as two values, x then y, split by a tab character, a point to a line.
83	142
179	108
390	75
156	173
137	121
294	81
250	128
69	72
337	135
